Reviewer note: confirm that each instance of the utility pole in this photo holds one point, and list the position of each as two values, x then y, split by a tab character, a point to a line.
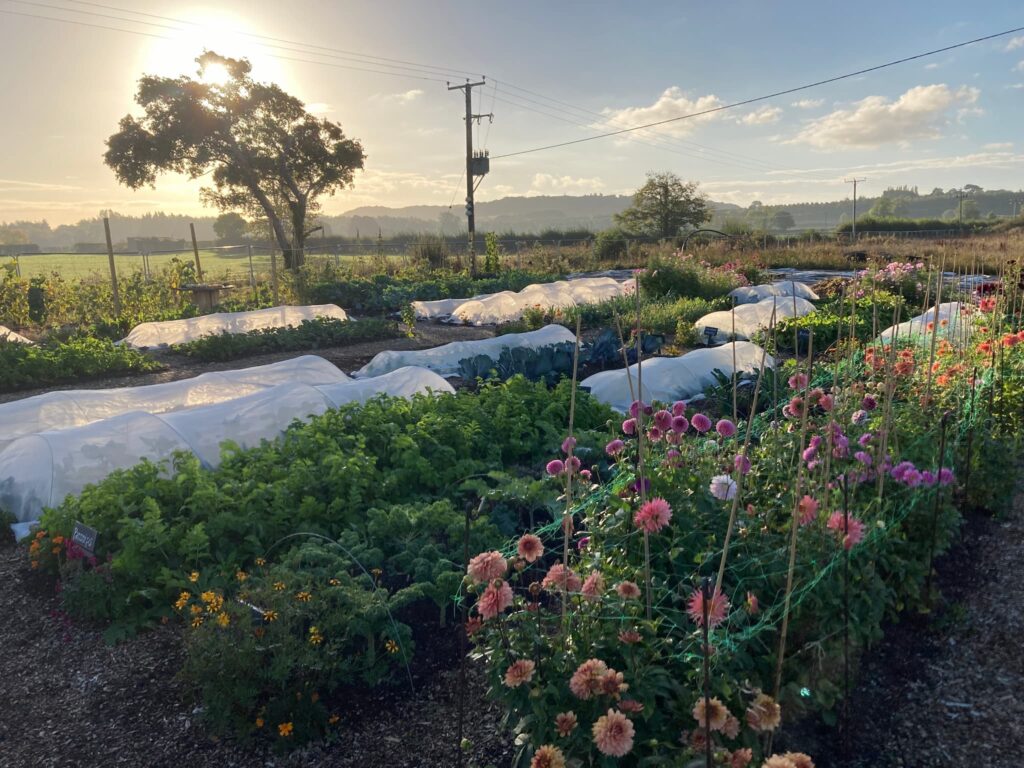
960	194
854	181
476	165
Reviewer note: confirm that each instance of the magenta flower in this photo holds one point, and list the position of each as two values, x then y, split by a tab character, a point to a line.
556	467
701	423
678	407
798	381
827	403
663	420
629	426
741	463
945	476
614	448
680	424
568	444
863	458
725	428
868	403
654	434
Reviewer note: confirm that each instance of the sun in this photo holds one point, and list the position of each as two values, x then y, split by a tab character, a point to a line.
209	29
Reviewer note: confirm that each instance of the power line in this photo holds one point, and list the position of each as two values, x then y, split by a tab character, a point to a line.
418	70
381	59
765	97
79	23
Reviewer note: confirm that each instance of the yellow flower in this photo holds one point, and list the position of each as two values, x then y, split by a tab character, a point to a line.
223	619
260	562
315	638
391	646
285	729
279	586
303	597
208	597
182	600
376	572
270	615
259	722
334	582
197	622
196	610
241	575
333	719
193	577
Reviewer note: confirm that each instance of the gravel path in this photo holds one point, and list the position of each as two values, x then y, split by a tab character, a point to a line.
946	690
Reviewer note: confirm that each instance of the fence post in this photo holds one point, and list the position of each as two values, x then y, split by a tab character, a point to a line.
113	271
17	265
337	255
273	276
195	250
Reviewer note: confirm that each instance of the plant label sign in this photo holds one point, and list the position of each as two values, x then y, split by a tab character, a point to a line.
709	333
85	537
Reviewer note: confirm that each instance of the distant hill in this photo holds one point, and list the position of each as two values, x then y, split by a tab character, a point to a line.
525	215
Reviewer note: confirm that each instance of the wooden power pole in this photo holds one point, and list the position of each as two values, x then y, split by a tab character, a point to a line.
853	224
476	165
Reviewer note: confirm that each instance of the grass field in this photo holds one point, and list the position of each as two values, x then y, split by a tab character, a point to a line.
83	265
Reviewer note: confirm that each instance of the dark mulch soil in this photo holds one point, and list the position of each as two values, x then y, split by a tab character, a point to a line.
68	699
348	359
945	690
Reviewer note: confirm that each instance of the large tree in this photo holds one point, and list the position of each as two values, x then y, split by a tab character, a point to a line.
664	206
230	227
266	155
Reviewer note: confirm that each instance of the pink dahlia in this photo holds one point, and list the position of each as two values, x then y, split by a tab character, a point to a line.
725	428
568	444
495	599
631	706
530	547
741	758
487	566
613	734
764	713
519	672
593	586
548	756
629	426
713	717
627	590
752	604
614	448
678	407
586	680
741	463
700	422
807	510
718	608
827	403
653	515
630	637
680	424
850	537
565	723
723	487
561	578
798	381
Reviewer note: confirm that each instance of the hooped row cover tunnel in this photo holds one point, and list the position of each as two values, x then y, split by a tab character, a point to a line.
40	470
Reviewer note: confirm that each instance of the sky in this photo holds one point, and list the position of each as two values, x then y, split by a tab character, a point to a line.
555	72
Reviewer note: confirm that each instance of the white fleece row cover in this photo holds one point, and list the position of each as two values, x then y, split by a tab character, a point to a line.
751	294
444	360
6	334
951	322
666	379
503	307
68	408
167	332
40	470
751	317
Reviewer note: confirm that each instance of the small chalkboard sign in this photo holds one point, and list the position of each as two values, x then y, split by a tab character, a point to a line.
709	333
85	537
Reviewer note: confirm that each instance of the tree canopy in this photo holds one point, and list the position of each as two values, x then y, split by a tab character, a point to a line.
664	206
266	155
230	227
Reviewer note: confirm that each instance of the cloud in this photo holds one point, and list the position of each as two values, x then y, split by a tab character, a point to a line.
807	103
399	98
1019	67
997	145
932	65
1016	86
996	159
319	108
1015	43
14	185
546	184
672	103
762	116
920	113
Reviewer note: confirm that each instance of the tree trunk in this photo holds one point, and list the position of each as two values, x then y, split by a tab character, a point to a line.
295	257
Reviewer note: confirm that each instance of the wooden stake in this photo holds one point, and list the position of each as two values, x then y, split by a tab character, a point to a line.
115	293
195	250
